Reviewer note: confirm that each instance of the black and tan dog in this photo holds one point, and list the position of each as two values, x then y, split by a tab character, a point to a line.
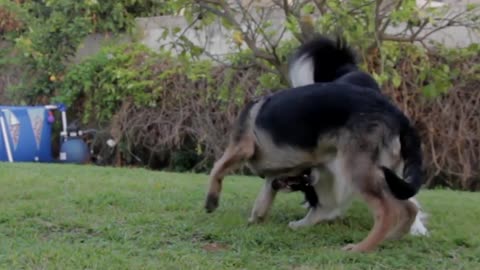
324	60
356	132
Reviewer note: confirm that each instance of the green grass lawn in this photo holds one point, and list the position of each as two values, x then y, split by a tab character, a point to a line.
85	217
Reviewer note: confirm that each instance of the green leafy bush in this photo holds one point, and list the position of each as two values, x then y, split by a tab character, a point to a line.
158	106
130	71
104	80
52	31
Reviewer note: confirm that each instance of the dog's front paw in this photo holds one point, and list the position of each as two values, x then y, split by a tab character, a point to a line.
352	248
252	220
297	224
255	220
356	248
211	203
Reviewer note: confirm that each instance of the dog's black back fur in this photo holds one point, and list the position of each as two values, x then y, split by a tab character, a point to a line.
299	116
360	78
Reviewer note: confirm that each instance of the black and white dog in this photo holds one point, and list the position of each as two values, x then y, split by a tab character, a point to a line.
334	120
325	60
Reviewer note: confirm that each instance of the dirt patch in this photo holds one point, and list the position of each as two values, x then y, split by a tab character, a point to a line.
214	247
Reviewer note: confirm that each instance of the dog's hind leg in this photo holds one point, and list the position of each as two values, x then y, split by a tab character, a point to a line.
369	182
390	157
233	156
263	202
382	207
406	216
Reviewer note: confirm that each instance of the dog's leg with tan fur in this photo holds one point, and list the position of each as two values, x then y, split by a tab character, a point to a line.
383	209
232	157
391	157
263	202
387	210
406	215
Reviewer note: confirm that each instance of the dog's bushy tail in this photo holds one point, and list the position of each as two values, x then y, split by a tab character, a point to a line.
320	60
412	171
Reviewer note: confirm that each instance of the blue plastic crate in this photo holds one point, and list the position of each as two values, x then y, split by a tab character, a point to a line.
28	132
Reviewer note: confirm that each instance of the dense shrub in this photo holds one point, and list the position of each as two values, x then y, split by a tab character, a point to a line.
174	112
168	111
449	121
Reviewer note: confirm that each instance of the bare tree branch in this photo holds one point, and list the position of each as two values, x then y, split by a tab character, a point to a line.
320	4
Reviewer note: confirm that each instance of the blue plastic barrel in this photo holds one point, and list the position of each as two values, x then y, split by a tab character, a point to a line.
74	150
28	132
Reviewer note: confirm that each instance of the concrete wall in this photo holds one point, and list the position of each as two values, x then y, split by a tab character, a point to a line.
216	40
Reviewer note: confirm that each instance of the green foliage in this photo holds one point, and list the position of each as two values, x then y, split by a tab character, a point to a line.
360	27
434	74
184	160
12	19
106	78
362	23
354	19
101	82
119	72
267	79
53	30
